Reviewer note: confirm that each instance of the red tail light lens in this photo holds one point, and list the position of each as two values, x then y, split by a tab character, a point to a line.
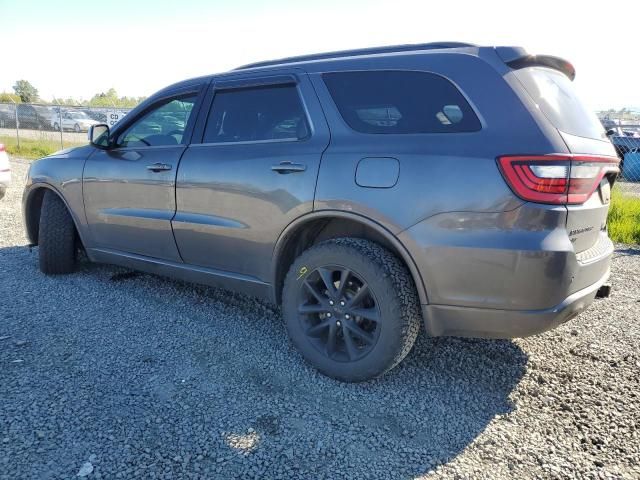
555	179
1	147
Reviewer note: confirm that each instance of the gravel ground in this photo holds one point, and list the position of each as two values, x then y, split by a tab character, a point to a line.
111	374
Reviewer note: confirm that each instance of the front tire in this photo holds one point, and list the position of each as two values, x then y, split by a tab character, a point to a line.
56	237
351	308
76	128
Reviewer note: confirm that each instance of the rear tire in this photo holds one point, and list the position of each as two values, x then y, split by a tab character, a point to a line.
351	308
56	237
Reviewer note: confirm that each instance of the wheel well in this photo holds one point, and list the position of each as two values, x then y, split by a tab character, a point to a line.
33	211
319	230
32	214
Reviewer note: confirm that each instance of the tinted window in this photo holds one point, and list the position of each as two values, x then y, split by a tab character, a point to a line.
554	93
400	102
251	114
162	125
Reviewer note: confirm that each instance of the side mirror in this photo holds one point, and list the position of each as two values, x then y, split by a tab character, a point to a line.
611	132
99	136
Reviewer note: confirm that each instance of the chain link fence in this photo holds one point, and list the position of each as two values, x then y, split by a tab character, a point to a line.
53	124
624	133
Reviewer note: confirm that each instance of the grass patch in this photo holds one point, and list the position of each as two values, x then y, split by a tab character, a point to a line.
33	148
624	218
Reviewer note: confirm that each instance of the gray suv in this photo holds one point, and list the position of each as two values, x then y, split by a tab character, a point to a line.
367	192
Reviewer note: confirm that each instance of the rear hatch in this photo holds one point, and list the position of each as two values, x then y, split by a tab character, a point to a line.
592	167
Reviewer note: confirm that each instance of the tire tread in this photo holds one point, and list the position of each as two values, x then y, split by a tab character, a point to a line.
56	237
388	265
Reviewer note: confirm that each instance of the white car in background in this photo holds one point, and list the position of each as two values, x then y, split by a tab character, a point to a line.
76	121
5	171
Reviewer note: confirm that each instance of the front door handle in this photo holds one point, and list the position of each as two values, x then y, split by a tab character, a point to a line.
288	167
159	167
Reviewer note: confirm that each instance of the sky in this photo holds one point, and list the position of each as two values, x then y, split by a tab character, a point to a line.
78	48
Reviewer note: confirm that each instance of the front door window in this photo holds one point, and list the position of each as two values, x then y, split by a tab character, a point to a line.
162	125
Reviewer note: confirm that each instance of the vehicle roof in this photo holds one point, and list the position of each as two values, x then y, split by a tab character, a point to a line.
359	58
389	49
318	61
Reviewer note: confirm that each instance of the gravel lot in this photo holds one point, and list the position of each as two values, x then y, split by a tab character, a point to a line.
129	375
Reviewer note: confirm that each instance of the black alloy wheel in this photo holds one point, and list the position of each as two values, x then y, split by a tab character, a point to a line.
339	313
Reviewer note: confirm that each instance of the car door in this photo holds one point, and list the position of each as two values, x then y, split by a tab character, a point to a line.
253	173
129	189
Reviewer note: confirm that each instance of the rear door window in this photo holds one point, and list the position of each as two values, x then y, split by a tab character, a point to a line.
400	102
254	114
556	97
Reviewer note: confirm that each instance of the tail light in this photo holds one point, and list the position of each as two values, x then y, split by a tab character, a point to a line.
2	149
555	179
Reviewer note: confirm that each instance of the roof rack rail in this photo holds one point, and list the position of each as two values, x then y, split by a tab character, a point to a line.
360	52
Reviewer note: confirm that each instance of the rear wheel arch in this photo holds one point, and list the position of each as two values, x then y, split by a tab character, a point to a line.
314	228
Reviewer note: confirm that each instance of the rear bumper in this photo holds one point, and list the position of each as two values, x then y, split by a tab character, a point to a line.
446	320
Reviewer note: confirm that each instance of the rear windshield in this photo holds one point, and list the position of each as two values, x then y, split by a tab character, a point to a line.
555	94
400	102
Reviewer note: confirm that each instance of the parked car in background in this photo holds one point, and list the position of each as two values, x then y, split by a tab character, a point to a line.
630	167
450	188
34	117
5	171
624	141
73	120
607	123
7	116
44	114
97	115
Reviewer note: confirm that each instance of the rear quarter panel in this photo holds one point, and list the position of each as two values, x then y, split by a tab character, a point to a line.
438	172
474	241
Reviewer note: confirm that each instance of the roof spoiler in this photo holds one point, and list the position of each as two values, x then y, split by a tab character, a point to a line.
517	58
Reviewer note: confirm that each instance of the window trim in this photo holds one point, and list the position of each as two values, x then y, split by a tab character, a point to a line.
408	70
225	85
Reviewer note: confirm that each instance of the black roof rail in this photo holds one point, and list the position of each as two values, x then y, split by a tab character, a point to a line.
360	52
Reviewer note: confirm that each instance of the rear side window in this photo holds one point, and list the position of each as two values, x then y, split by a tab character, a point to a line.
256	114
400	102
555	95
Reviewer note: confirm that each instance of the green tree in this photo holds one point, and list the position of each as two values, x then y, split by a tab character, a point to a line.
27	92
6	97
110	98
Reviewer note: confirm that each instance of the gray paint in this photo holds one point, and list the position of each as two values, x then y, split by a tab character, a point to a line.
485	263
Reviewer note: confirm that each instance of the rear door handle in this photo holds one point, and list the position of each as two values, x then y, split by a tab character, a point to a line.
288	167
159	167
